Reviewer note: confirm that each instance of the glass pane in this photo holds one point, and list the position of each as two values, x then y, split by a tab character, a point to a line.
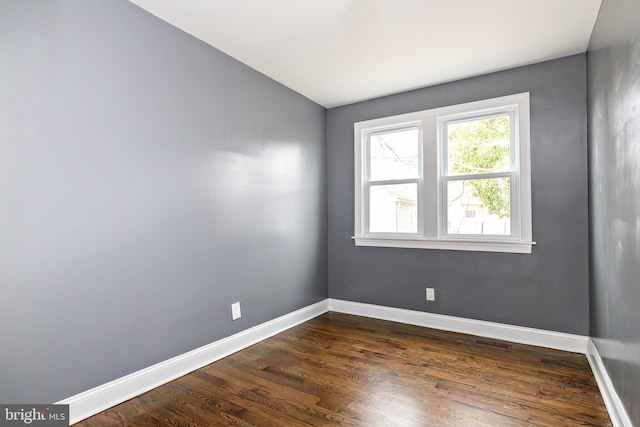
479	146
393	208
394	155
479	206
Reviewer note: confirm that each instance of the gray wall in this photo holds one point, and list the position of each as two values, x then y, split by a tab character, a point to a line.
614	179
547	289
147	181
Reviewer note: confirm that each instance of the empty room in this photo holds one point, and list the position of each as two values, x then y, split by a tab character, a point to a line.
320	213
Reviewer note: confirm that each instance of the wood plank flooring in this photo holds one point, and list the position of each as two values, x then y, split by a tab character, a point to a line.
341	370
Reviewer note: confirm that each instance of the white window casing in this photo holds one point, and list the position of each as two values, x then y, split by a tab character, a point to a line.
431	231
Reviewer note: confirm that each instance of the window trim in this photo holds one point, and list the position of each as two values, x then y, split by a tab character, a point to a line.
430	123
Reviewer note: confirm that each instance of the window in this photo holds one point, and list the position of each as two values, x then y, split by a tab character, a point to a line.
455	177
393	179
478	168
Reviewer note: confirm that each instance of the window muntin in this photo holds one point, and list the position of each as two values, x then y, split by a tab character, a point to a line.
418	203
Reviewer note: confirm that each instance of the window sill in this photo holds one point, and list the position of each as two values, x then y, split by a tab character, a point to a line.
517	247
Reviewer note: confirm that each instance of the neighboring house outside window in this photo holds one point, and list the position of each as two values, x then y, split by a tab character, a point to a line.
455	177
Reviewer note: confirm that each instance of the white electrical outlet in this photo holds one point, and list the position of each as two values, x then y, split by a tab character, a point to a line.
431	294
235	311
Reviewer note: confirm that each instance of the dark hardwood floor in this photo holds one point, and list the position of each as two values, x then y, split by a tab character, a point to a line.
353	371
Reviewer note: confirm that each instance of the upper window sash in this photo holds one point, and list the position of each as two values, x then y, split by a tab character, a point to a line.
510	111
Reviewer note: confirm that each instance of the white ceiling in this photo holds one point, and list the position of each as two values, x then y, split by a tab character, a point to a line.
336	52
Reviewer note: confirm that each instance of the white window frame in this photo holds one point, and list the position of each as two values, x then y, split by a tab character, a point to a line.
367	183
432	233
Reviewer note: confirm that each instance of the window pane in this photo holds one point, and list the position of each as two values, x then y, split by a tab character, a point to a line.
393	208
479	206
479	146
393	155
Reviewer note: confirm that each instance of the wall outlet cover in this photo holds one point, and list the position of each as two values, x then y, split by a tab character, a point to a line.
431	294
235	311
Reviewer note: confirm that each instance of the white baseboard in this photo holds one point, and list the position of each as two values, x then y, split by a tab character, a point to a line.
91	402
518	334
617	413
